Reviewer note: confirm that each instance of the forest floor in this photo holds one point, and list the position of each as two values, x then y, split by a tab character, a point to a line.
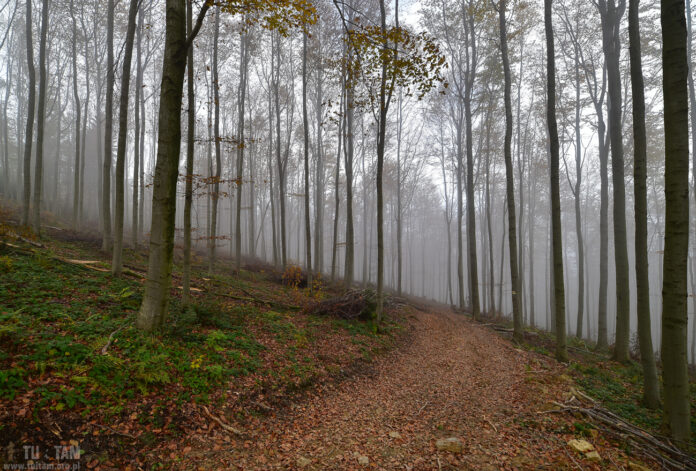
247	379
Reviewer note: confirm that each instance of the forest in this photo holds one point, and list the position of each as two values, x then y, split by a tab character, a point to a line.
346	234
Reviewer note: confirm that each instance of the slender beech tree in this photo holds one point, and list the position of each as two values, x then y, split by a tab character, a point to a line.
190	150
241	144
108	129
611	12
651	392
305	125
469	80
78	111
41	122
509	177
556	230
31	104
157	284
215	177
675	66
122	144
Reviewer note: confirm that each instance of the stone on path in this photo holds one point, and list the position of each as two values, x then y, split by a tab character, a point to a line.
581	446
394	434
451	444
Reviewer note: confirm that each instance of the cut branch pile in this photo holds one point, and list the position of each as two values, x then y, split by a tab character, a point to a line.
351	305
659	449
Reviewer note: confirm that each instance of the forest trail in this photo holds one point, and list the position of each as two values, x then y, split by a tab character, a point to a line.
451	378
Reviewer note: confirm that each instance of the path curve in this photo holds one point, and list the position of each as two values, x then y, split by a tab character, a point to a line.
453	378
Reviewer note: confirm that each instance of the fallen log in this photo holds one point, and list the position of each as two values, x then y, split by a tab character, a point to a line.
350	305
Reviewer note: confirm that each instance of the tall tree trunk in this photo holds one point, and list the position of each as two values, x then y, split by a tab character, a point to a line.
334	249
611	14
190	149
31	103
319	195
135	232
108	125
651	391
399	209
117	261
577	191
349	267
384	96
305	124
674	290
241	101
557	249
157	284
212	241
460	212
78	111
470	204
41	121
509	180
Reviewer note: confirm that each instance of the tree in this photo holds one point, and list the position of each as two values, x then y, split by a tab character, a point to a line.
78	111
190	150
611	12
651	392
675	66
117	262
31	103
305	125
556	230
509	177
41	122
212	237
108	129
469	80
241	102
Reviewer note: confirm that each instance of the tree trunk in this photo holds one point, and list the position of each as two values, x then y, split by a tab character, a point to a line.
651	391
157	284
305	124
31	103
190	149
557	245
241	101
471	63
117	261
509	180
611	15
212	241
108	125
41	121
674	290
78	111
135	231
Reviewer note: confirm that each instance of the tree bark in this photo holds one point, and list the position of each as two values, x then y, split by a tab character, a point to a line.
156	297
117	260
212	241
190	150
108	125
651	391
31	103
41	121
611	14
509	180
305	124
674	288
557	235
78	116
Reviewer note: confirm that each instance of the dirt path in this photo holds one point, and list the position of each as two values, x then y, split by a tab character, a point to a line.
454	378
